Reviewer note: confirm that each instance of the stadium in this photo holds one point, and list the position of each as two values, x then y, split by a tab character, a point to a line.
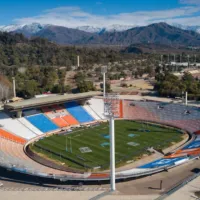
65	137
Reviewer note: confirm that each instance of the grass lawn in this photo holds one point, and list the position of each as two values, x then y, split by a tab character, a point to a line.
131	139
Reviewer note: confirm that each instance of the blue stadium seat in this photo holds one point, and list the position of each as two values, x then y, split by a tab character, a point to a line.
78	112
42	123
163	162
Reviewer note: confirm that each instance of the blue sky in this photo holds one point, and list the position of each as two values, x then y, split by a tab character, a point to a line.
74	13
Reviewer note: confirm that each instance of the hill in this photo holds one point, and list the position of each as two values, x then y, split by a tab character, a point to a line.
17	50
63	35
160	33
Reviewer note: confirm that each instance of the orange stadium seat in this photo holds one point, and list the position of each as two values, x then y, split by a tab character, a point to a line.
184	152
12	137
70	120
121	109
60	122
98	175
176	155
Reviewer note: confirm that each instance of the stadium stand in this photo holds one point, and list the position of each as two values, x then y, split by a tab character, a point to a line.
27	124
97	105
78	112
137	112
46	110
12	154
15	127
15	132
59	121
100	175
191	149
70	120
42	123
163	162
57	113
9	136
91	112
29	112
172	114
54	111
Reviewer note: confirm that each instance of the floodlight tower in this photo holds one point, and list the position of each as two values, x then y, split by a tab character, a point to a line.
182	97
175	62
161	57
104	71
186	98
14	90
188	61
111	110
78	61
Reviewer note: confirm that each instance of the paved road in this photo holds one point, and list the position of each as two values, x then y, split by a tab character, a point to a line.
151	184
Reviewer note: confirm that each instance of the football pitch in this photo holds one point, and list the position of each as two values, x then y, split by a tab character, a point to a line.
89	148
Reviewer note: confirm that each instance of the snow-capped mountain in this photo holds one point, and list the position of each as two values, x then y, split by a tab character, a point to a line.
90	29
118	28
10	28
189	28
27	29
112	28
157	33
36	27
33	28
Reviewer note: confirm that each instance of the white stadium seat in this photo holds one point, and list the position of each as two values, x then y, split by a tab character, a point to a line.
15	127
97	105
27	124
91	112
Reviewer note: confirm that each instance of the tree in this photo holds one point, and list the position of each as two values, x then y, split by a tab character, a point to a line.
79	77
85	86
57	89
29	90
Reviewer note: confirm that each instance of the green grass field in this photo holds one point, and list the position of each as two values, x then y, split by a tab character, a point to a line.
131	139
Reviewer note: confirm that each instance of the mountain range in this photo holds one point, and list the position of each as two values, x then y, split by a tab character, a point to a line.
159	33
36	27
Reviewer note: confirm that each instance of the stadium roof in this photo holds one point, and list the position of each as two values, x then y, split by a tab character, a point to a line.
50	100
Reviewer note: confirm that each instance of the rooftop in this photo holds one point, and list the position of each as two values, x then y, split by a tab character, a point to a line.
50	100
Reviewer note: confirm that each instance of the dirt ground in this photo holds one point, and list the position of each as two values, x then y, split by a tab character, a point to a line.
137	84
